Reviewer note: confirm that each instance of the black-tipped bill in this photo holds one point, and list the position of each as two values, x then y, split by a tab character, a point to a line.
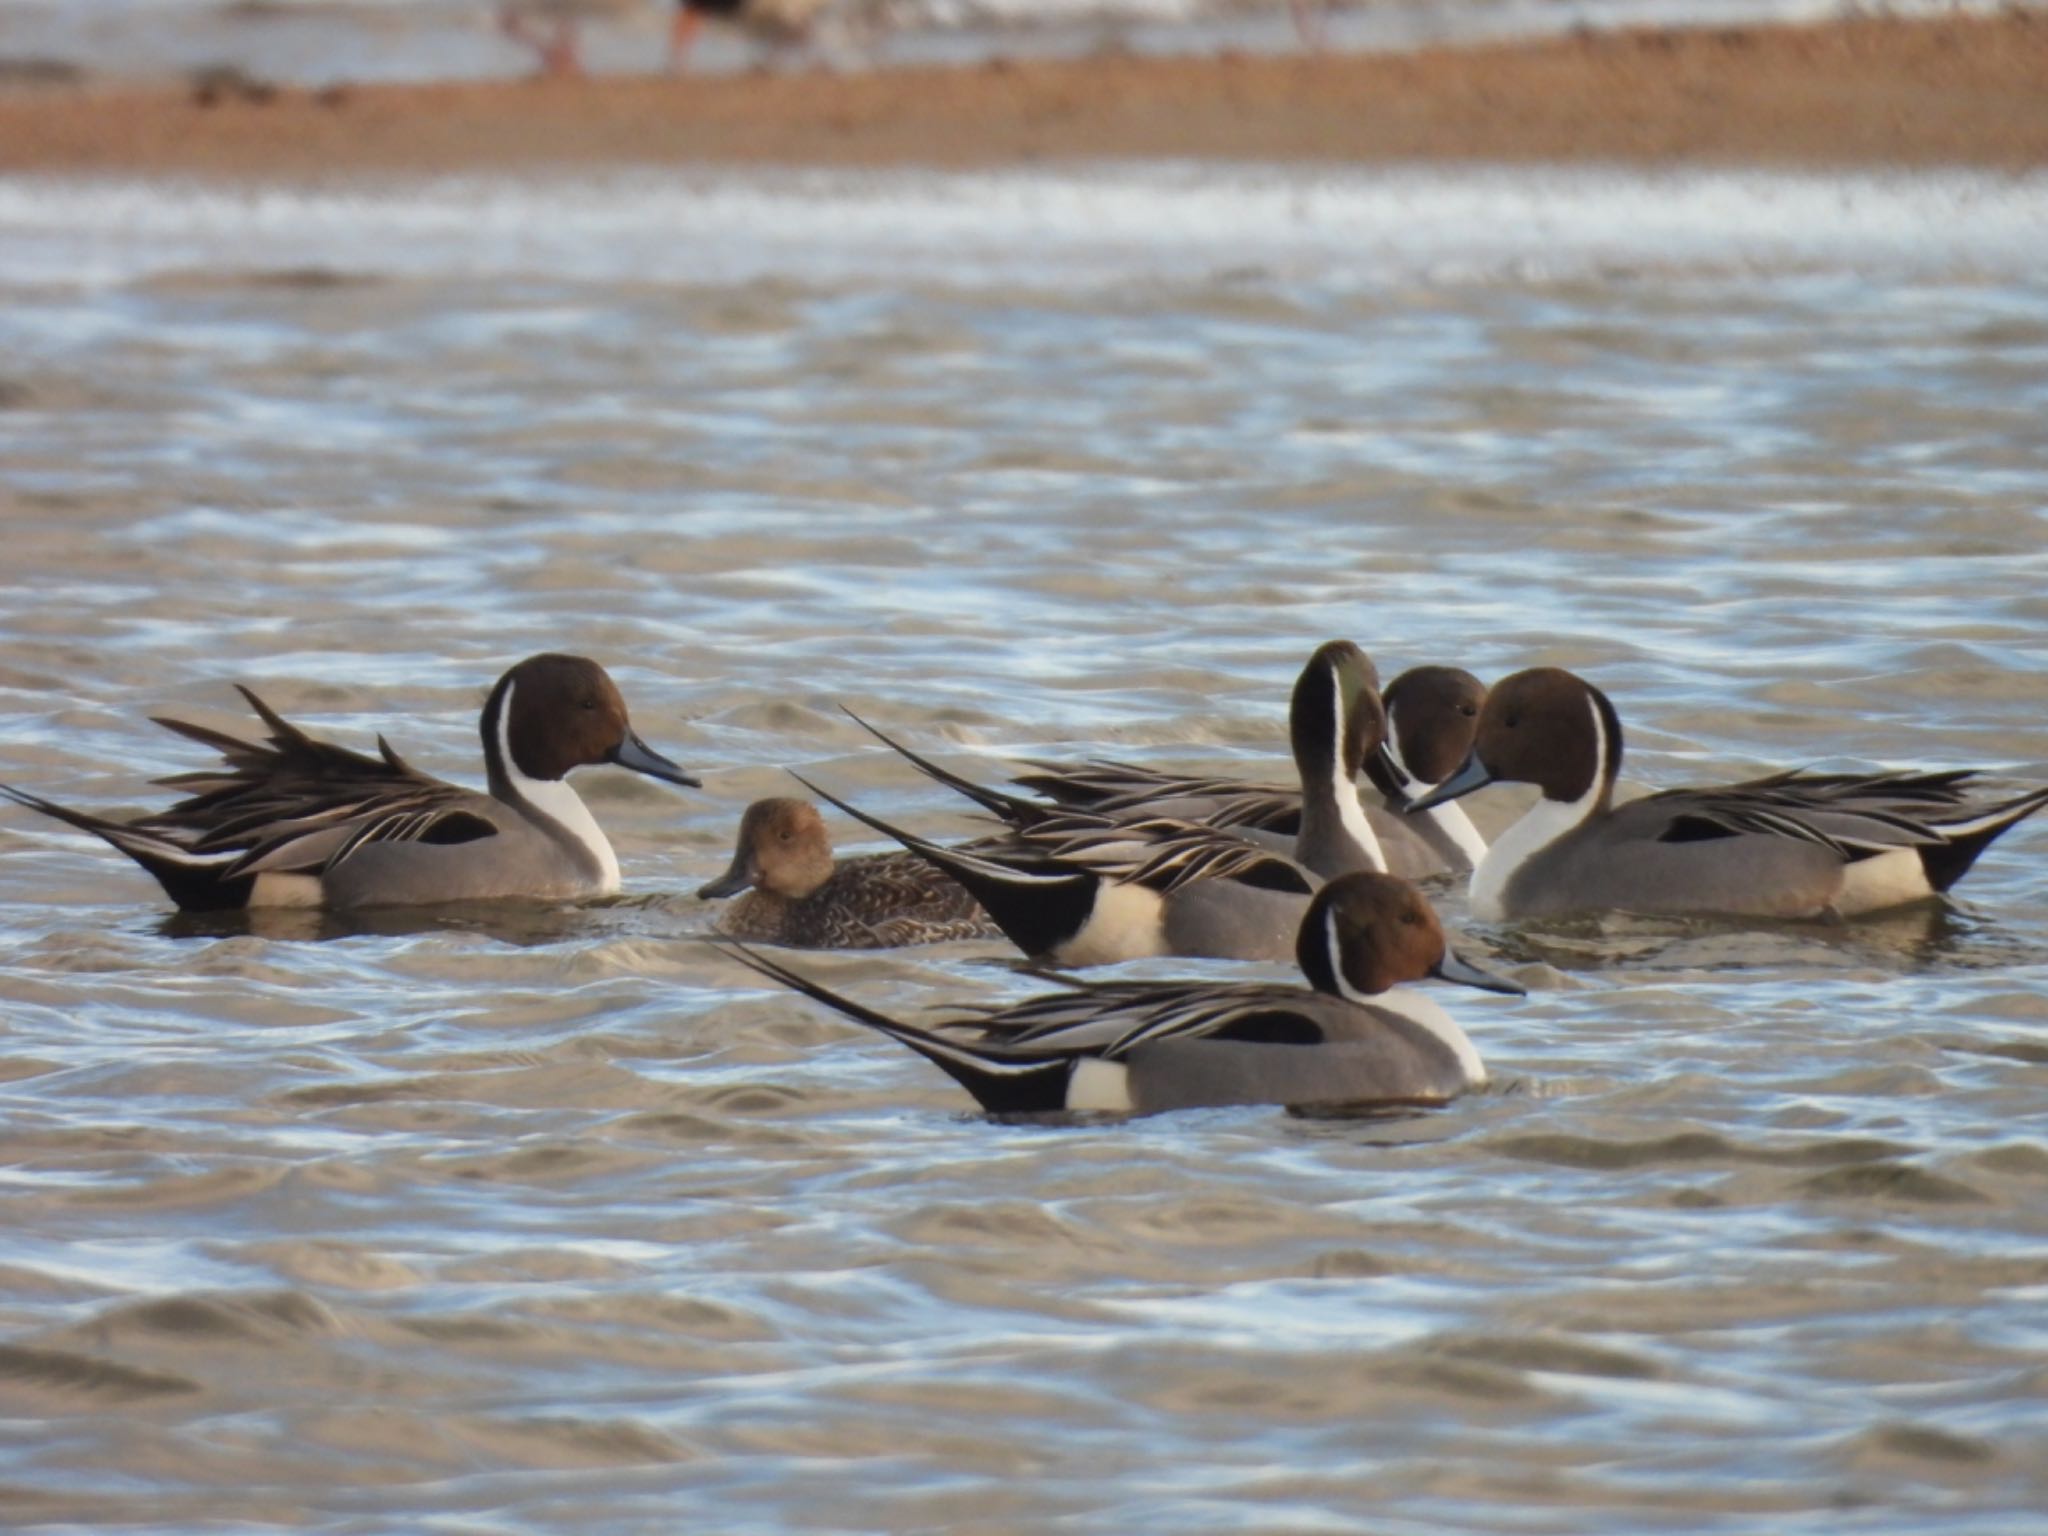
1454	967
633	753
1471	775
732	882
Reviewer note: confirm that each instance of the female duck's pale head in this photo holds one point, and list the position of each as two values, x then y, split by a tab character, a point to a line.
783	848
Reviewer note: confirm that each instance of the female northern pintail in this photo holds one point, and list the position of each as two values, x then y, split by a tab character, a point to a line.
1792	845
797	894
1143	1047
1080	889
1425	718
300	822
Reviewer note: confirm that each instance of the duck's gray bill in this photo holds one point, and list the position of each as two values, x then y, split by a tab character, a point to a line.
731	883
1455	968
1471	775
635	754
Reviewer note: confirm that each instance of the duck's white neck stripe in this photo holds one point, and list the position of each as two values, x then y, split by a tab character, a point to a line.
1450	817
1408	779
1350	814
554	799
1345	990
1412	1006
1457	826
1541	825
1418	1009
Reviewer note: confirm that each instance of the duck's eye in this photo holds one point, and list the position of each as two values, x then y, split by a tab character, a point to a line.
1512	721
784	835
590	703
1468	710
1411	919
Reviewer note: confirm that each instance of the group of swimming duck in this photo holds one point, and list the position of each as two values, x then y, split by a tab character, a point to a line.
1100	862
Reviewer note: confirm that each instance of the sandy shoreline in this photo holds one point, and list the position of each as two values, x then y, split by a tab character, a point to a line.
1857	93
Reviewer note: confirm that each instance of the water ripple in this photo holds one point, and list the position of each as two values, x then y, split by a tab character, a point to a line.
472	1217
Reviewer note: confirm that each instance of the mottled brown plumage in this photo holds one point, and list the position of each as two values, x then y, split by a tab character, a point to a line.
797	894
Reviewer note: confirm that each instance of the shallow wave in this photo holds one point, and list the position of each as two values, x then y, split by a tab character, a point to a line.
1347	229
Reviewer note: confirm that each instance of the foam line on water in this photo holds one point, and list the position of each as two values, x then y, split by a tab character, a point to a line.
1181	222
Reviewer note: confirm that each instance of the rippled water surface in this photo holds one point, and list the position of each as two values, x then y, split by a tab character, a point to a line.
547	1221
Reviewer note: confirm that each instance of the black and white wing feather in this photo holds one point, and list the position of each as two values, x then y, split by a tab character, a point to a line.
295	803
1852	815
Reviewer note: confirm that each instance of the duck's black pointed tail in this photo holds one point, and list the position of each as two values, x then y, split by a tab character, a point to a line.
1013	809
1038	901
1962	841
1085	786
1002	1082
193	881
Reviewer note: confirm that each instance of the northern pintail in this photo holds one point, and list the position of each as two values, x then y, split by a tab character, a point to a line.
797	894
1425	717
1144	1047
1080	889
300	822
1792	845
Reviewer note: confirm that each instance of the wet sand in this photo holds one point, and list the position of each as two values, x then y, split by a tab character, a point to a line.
1856	93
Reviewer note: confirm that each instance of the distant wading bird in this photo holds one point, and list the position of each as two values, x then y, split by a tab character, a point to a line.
551	28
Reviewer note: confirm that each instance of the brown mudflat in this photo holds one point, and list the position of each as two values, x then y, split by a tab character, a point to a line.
1864	92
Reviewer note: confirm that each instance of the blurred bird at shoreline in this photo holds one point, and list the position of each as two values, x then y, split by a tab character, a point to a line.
776	23
1311	24
552	28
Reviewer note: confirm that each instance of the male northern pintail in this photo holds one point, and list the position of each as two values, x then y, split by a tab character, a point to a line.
1143	1047
797	894
1425	718
1080	889
304	823
1792	845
